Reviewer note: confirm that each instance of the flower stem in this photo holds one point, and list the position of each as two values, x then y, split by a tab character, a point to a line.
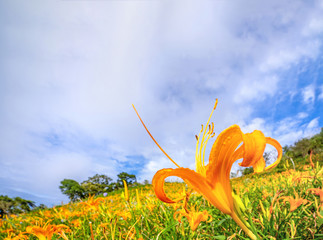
243	226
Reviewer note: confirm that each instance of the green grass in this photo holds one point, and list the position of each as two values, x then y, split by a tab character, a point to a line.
116	218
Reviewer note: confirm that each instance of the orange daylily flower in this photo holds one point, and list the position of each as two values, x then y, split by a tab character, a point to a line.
125	214
318	192
46	232
20	236
212	180
92	203
76	223
294	202
194	217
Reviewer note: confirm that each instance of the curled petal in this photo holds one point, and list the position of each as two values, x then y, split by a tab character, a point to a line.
279	149
216	196
254	145
158	184
197	181
252	151
222	156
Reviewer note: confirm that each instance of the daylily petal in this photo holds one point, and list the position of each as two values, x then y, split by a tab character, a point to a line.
195	218
216	196
259	166
254	145
294	203
252	151
221	156
279	149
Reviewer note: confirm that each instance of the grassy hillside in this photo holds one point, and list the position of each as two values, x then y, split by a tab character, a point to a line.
284	203
142	216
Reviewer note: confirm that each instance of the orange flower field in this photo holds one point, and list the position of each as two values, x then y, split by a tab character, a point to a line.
281	205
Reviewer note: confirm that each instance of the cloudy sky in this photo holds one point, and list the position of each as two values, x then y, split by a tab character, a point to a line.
70	70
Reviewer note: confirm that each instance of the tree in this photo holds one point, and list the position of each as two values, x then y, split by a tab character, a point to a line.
40	207
233	175
247	171
301	148
14	205
72	189
114	186
6	205
23	205
98	184
129	178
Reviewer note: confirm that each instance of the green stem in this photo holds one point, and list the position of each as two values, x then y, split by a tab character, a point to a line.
243	226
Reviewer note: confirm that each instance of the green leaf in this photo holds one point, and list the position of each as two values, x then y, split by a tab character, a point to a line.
221	237
320	220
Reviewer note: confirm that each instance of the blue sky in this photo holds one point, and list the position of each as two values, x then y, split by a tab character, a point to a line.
70	70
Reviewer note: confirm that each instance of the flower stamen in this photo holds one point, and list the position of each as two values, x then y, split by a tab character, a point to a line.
154	138
201	145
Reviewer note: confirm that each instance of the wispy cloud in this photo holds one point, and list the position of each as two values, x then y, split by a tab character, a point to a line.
309	94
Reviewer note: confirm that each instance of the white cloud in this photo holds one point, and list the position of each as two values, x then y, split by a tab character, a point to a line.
315	26
287	131
302	115
309	94
283	58
258	89
292	129
312	127
64	165
288	138
257	123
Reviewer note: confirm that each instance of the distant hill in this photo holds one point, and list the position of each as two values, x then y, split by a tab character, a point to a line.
300	151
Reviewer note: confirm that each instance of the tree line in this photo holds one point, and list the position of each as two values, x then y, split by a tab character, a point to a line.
304	146
96	185
16	205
